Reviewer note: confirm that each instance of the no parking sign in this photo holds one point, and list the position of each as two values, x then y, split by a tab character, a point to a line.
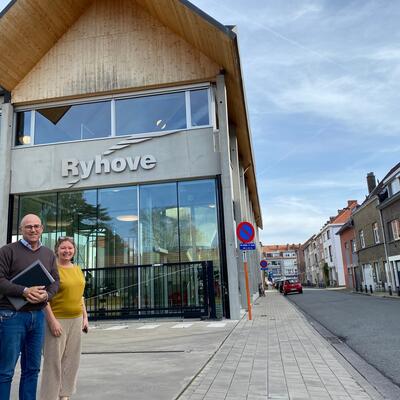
245	232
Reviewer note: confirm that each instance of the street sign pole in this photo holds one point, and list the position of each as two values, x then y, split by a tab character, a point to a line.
246	275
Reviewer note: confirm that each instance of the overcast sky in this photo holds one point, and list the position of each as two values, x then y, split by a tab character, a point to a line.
323	86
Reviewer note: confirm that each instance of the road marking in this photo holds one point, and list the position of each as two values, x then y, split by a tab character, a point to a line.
149	326
116	328
181	325
216	325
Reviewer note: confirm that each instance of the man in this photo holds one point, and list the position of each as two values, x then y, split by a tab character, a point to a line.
21	332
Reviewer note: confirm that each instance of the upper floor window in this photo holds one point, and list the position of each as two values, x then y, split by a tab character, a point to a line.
328	235
362	240
395	229
143	114
330	254
353	245
394	186
376	232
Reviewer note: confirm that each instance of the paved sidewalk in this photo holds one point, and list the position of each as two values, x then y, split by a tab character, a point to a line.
278	355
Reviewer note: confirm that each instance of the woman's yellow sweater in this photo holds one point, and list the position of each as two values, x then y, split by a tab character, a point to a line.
67	303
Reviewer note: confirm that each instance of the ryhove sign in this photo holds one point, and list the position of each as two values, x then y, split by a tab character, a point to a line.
83	169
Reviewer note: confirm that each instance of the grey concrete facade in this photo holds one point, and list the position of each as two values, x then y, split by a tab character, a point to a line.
5	165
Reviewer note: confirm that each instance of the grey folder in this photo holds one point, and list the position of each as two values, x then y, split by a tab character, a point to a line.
34	275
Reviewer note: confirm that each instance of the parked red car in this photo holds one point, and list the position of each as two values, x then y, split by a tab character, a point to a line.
292	285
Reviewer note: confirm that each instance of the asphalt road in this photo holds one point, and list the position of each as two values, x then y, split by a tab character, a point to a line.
368	325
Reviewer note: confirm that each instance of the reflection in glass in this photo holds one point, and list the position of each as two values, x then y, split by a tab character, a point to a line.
23	134
73	122
45	206
199	107
151	114
159	240
77	217
176	222
159	223
198	228
118	227
198	220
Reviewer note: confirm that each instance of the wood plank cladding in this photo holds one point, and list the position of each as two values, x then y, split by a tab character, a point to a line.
59	49
24	44
219	43
114	46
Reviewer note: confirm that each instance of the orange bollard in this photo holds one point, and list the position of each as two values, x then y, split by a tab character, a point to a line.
246	275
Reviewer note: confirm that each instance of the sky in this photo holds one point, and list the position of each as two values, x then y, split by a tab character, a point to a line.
322	83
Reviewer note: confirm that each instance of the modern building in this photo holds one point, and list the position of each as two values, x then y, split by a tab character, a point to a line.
124	125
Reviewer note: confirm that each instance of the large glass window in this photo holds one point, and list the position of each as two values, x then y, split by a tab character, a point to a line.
198	228
136	115
151	114
45	206
137	225
198	221
199	107
76	122
77	217
23	134
159	223
118	227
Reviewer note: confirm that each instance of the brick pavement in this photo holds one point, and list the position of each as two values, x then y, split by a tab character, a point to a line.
277	356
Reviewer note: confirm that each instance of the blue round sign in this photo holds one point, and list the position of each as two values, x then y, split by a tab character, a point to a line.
245	232
264	263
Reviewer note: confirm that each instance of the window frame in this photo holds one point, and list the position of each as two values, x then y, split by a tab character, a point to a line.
112	98
362	238
375	231
395	229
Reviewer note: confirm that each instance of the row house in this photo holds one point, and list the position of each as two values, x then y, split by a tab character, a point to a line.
323	254
349	253
389	208
331	244
370	238
283	260
311	261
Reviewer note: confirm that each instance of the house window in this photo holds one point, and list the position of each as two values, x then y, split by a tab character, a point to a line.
376	232
328	235
151	113
395	229
353	245
330	253
394	186
362	241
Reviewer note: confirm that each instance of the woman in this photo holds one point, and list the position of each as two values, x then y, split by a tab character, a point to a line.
66	319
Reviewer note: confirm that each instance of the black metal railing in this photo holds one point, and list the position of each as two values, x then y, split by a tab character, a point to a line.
158	290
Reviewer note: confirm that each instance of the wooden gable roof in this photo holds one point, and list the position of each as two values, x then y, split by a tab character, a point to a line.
32	27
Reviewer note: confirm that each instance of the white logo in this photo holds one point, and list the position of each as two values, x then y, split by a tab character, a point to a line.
83	169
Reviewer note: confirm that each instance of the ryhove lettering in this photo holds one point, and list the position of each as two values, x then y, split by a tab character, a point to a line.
74	167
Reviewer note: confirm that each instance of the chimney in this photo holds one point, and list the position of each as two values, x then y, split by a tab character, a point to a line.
371	182
350	203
